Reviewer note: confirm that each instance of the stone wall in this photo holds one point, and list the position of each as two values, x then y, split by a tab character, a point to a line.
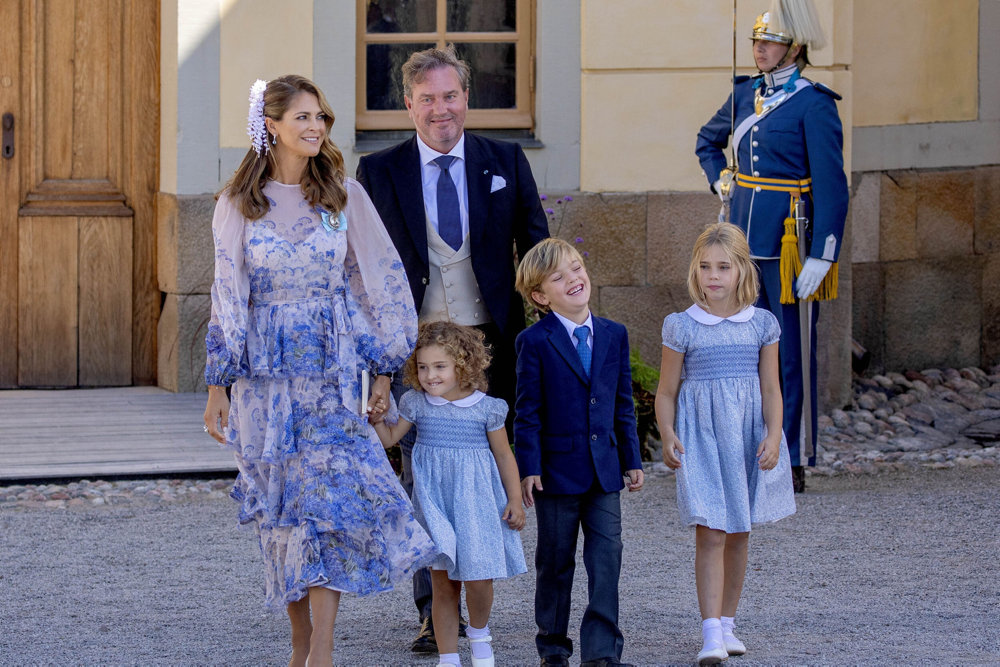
926	267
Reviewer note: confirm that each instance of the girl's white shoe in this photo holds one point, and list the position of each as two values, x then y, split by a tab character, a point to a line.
482	662
712	653
733	645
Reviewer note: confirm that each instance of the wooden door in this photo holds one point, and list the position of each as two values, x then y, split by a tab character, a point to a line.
78	294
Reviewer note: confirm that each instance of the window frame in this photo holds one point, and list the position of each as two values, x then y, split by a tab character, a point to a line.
521	117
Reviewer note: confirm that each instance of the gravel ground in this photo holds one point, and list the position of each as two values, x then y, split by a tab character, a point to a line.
897	567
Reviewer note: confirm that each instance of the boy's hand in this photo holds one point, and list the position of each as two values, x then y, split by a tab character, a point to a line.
513	514
634	479
528	484
671	448
768	452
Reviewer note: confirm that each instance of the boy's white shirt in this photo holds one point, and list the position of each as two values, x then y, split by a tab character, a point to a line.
702	316
571	326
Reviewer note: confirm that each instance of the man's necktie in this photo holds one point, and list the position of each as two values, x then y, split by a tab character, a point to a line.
449	217
581	333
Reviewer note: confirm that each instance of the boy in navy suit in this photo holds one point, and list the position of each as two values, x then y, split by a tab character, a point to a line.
576	441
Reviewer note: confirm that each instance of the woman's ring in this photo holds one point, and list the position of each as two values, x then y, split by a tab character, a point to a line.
205	428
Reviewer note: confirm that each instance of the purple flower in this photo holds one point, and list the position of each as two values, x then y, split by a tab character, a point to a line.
559	201
543	197
568	198
550	211
579	239
586	254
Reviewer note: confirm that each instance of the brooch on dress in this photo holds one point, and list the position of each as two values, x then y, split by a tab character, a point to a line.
336	224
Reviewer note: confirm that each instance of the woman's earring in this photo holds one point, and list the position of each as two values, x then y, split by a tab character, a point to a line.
274	140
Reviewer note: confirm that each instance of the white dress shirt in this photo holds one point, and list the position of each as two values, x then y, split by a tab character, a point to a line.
571	326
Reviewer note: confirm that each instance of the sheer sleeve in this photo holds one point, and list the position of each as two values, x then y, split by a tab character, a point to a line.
225	341
379	300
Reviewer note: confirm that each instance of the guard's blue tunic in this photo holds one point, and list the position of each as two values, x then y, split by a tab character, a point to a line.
800	138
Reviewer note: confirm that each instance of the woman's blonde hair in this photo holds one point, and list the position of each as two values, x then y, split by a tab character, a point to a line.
323	180
465	346
733	242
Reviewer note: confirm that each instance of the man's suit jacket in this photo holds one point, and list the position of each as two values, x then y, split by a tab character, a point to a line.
499	217
568	429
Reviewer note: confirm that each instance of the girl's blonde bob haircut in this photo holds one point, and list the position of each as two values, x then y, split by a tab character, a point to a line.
539	263
464	345
733	242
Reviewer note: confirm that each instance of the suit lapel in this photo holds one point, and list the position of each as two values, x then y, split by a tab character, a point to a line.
560	340
405	173
479	170
601	345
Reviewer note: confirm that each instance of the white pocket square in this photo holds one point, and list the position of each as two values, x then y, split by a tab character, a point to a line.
498	184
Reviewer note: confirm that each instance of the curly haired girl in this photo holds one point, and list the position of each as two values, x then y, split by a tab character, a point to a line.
466	487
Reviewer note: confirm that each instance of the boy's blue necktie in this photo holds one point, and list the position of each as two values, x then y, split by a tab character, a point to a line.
449	217
581	334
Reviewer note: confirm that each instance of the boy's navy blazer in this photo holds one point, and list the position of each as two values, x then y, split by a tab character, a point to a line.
568	429
500	216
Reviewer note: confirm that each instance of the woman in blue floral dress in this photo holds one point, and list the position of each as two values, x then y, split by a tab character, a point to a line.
308	293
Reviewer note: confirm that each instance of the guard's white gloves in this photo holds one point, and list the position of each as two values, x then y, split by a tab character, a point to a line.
717	186
813	272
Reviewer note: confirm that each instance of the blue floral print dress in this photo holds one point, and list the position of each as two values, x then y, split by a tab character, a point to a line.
302	302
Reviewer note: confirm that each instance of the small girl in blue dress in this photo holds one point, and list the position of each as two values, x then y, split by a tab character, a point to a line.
728	448
466	488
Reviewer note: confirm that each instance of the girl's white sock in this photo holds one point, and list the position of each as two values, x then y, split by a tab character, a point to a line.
728	623
711	631
450	659
480	650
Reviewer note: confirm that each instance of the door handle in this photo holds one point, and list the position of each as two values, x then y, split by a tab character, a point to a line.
8	136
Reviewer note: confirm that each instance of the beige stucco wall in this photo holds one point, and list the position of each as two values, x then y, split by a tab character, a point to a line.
259	40
917	61
654	72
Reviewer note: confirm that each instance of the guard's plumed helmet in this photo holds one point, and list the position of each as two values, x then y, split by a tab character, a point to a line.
792	22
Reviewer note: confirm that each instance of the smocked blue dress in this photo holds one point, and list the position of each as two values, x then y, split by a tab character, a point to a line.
720	421
458	495
299	309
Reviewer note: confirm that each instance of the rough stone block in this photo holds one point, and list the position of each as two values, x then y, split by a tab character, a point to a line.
863	219
181	342
945	213
642	310
612	227
991	311
673	223
987	213
898	215
867	308
185	251
933	313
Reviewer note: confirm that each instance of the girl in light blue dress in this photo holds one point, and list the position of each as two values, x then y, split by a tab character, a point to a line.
718	406
466	488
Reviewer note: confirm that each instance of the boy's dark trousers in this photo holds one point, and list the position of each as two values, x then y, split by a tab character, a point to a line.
559	520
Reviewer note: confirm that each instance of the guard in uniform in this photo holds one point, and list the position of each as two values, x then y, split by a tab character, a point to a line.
789	155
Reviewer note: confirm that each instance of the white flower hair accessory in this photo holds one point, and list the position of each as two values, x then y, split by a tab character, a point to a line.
256	129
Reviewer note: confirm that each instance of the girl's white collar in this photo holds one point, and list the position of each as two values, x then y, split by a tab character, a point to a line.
466	402
702	316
